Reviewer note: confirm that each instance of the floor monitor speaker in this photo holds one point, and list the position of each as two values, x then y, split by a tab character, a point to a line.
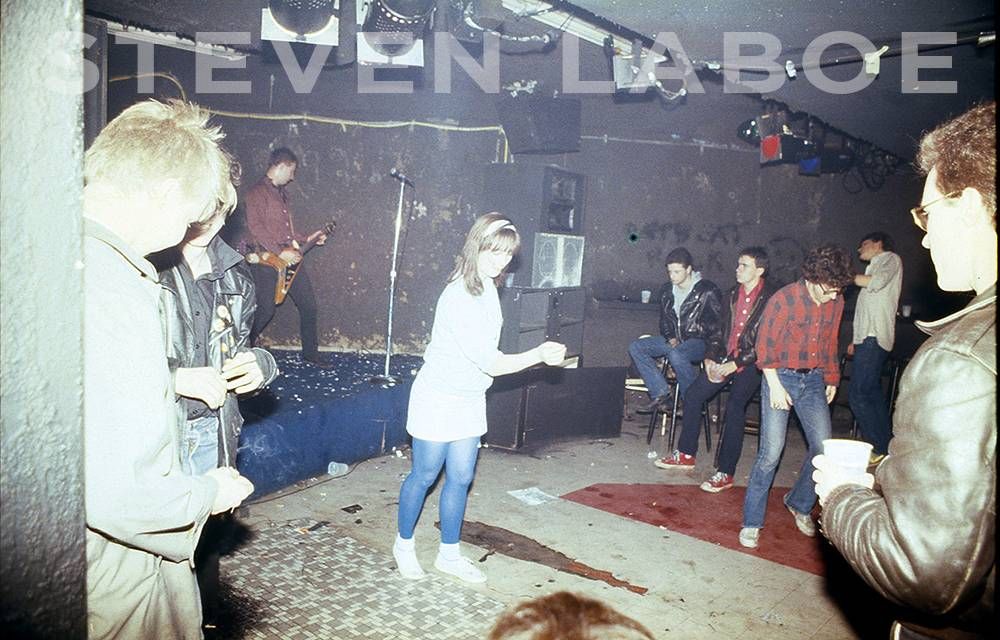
540	405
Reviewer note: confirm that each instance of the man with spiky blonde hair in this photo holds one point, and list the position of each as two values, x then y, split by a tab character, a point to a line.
154	171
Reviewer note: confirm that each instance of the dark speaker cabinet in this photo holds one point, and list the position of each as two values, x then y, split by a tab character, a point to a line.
546	203
544	404
532	316
538	124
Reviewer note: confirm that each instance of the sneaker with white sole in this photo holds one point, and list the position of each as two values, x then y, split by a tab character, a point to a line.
676	460
749	537
718	482
462	568
407	563
804	522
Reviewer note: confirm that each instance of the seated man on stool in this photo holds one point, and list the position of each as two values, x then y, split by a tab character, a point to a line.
730	355
689	318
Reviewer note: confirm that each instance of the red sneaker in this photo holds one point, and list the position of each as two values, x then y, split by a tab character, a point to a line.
676	460
718	482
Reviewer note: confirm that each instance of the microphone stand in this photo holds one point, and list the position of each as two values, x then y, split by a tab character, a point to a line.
387	379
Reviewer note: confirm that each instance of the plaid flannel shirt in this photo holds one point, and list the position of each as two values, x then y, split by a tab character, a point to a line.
796	333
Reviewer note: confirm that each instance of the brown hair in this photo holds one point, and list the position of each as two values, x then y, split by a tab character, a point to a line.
566	616
481	238
963	150
282	155
828	265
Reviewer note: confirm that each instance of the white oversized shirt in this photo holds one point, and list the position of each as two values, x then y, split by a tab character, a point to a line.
448	398
875	313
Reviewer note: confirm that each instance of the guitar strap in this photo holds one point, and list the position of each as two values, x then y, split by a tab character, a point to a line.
284	200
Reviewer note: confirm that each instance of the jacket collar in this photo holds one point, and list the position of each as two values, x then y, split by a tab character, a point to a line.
984	299
226	257
223	258
99	232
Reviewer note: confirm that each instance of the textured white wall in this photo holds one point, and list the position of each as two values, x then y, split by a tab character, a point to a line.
41	470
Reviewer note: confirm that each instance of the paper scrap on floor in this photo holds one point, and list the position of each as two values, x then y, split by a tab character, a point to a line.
532	496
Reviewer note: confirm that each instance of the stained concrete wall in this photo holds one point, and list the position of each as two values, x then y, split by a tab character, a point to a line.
657	178
41	473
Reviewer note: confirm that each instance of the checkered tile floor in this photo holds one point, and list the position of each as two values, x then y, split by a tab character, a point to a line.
306	580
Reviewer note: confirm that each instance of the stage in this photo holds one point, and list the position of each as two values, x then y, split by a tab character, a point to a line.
310	417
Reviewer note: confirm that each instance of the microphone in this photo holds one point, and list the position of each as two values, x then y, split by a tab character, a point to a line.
399	176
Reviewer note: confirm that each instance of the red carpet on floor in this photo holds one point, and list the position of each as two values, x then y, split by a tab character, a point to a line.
714	518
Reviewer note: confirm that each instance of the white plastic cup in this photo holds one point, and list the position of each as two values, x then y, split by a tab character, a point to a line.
646	294
850	455
337	469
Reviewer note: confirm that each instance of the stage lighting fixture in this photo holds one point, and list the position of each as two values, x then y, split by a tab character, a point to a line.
748	132
396	17
810	166
488	14
309	21
770	149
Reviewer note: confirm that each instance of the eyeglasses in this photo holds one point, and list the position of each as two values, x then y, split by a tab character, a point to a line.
828	292
919	213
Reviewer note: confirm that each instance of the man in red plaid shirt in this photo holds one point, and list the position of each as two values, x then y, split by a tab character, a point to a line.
797	353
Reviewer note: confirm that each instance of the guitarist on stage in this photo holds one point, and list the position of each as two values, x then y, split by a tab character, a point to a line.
270	229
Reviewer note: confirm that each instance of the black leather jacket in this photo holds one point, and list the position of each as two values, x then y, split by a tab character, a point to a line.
746	350
234	290
925	537
699	313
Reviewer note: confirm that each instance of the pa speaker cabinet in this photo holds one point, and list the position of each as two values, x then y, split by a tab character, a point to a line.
537	124
546	203
532	316
545	404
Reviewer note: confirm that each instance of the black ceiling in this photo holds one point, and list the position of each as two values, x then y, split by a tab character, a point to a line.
881	113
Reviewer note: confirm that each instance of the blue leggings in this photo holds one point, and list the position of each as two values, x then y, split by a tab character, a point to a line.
459	461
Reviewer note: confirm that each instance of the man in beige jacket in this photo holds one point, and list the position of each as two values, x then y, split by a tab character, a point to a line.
155	170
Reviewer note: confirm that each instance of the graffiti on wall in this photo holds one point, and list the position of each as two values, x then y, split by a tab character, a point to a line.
715	246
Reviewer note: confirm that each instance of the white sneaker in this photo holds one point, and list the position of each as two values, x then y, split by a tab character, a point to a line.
462	568
749	537
804	522
407	563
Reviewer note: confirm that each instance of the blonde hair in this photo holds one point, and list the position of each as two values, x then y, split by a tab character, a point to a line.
152	141
484	235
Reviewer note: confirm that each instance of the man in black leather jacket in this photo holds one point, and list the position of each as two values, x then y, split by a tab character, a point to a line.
730	359
689	318
924	535
208	306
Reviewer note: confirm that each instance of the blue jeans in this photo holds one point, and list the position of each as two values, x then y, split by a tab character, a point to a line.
867	400
808	393
459	461
645	351
201	445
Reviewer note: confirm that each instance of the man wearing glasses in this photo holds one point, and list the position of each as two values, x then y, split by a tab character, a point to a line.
926	536
797	352
874	334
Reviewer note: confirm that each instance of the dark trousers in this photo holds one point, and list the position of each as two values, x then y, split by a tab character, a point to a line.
745	384
867	400
206	562
265	279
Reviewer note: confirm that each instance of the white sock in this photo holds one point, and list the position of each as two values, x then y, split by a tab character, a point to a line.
405	544
404	551
449	551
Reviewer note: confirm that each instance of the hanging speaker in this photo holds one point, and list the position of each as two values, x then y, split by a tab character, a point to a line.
536	124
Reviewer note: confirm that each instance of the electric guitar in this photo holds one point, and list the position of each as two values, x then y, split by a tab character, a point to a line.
287	271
